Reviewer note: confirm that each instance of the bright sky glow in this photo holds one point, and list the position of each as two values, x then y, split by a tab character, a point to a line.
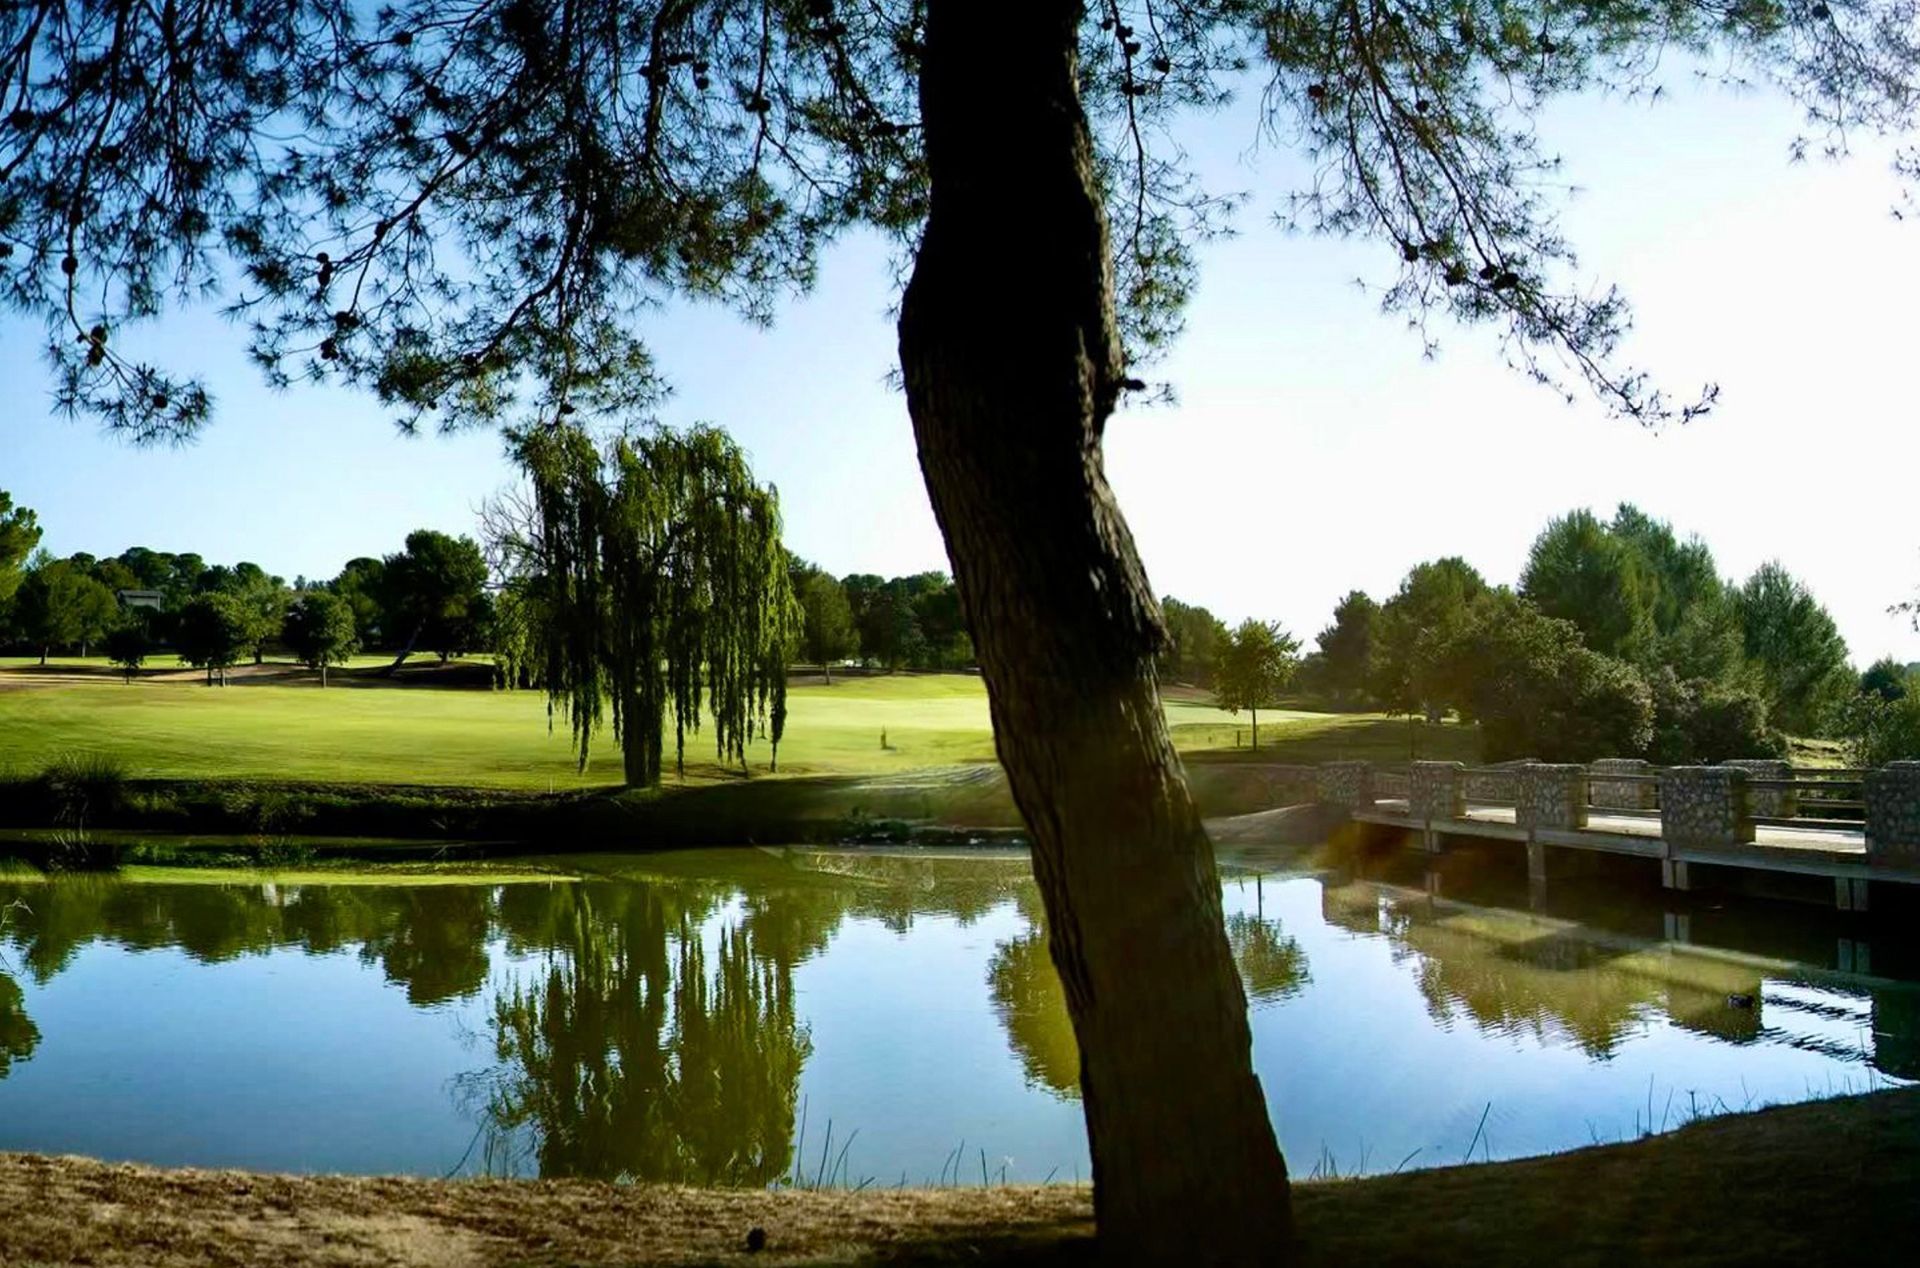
1313	449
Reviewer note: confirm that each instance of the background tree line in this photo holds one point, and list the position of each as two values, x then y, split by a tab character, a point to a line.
431	595
1620	640
436	594
910	622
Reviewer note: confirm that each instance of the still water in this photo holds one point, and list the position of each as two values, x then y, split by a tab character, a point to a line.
753	1016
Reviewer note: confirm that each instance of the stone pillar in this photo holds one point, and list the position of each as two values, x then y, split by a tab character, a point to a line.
1552	796
1348	784
1705	806
1622	794
1769	803
1893	814
1438	791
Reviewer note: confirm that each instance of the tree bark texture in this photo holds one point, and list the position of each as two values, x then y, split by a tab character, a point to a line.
1012	366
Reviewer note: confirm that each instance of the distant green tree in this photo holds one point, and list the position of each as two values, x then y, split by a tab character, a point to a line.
1346	647
263	599
889	631
1679	577
319	631
212	633
827	633
362	584
1194	639
128	644
151	569
941	621
1886	678
59	605
19	537
1253	667
1579	571
1414	631
433	592
183	579
1537	690
1795	646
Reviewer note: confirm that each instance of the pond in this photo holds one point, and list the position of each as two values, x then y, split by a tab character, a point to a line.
755	1016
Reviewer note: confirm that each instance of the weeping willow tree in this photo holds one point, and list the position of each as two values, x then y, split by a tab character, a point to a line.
651	581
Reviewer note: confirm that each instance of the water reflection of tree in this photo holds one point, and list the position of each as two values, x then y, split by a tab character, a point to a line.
18	1035
429	939
1508	972
649	1046
1271	964
1029	1000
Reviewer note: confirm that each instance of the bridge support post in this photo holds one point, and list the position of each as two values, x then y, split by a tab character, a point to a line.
1850	893
1436	791
1552	795
1536	875
1893	813
1679	926
1701	807
1705	806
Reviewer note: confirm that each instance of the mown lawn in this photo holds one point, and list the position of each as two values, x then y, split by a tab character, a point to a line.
179	729
287	729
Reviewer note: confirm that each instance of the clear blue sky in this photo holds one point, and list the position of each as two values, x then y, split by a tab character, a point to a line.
1313	450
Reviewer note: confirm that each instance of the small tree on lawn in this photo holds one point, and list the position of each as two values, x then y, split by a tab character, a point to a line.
214	630
128	645
1254	667
319	631
826	631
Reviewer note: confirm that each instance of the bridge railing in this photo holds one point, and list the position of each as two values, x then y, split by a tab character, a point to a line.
1694	805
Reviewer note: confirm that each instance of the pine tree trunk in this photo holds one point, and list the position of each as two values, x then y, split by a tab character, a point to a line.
1012	366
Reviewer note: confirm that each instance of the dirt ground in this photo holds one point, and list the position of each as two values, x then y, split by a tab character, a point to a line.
1834	1182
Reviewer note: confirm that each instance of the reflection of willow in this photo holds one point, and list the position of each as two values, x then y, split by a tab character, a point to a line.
642	1052
1032	1006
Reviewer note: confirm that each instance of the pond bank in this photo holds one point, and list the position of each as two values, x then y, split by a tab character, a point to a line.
1829	1181
250	821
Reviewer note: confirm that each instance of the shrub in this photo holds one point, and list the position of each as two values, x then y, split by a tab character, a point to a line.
1879	730
1696	721
83	788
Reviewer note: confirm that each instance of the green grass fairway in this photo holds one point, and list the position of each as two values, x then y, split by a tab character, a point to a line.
179	729
283	728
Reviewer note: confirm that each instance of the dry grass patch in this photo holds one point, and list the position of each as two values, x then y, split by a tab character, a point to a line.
1828	1182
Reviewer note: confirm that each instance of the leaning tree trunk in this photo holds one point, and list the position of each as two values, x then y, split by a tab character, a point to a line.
1012	366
